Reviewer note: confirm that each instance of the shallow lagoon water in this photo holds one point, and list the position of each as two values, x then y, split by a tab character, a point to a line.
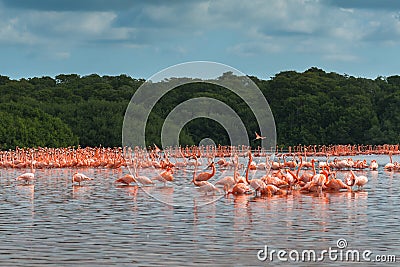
101	223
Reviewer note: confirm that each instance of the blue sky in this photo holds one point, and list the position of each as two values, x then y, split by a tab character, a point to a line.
139	38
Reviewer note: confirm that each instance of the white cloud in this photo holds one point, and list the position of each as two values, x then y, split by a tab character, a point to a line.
257	28
12	31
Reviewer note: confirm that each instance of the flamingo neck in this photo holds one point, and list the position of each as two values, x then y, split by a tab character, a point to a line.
235	174
353	178
313	166
194	173
298	170
248	168
213	170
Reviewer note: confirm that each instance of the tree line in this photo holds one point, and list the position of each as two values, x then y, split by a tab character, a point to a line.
310	107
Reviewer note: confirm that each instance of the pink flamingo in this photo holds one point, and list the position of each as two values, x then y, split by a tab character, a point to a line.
141	179
290	164
240	188
373	165
126	179
390	166
259	137
228	181
318	180
360	180
256	184
165	176
204	186
335	184
270	190
205	176
28	176
80	177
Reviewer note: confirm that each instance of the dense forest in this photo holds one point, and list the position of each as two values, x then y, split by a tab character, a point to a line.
313	107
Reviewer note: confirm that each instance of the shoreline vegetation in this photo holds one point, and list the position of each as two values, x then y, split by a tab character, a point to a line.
312	107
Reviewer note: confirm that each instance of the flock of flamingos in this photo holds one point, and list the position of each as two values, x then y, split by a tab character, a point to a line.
282	172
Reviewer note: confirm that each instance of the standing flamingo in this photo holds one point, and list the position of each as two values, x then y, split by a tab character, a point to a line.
317	180
80	177
28	176
126	179
373	165
205	176
141	179
256	184
204	186
165	176
390	166
241	187
360	180
335	184
228	181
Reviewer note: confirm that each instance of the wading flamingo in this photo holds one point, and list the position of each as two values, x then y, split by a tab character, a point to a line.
126	179
335	184
141	179
256	184
228	182
165	176
205	176
28	176
390	166
359	181
373	165
271	189
241	187
318	180
204	186
80	177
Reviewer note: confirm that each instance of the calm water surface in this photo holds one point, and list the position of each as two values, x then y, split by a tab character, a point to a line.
103	224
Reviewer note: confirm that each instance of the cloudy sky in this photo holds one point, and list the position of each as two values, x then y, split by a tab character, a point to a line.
139	38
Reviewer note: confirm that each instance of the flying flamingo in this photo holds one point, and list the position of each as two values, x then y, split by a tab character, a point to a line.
360	180
259	137
80	177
